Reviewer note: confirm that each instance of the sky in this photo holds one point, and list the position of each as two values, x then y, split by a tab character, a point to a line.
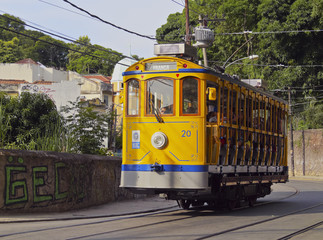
141	16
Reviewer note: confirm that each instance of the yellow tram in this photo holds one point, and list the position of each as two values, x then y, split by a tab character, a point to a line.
198	135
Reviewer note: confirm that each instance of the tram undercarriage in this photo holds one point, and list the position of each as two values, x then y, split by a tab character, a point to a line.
228	191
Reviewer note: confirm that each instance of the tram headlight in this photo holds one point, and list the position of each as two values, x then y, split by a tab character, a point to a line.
159	140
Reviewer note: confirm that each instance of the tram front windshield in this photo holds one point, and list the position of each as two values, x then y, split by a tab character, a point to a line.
160	96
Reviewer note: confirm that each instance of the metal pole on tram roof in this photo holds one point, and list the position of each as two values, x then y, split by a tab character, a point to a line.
203	49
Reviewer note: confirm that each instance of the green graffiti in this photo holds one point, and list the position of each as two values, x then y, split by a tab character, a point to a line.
10	159
20	160
15	185
39	182
58	194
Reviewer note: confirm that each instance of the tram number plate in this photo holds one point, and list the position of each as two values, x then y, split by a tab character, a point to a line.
187	133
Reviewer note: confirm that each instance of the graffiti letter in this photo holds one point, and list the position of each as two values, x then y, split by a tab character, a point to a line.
38	181
13	195
58	194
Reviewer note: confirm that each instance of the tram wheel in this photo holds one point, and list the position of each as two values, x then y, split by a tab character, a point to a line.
231	204
252	201
185	204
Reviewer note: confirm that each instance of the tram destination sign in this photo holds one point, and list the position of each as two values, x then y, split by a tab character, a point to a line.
161	66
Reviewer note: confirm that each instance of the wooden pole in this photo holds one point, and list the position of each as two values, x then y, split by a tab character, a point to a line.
291	133
187	37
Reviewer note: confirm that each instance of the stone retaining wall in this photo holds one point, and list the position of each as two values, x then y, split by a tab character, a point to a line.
313	153
37	181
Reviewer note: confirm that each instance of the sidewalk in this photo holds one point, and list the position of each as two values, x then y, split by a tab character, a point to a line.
307	178
142	205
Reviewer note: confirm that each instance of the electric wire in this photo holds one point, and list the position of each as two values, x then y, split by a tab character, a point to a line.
61	46
183	5
109	23
48	29
67	38
272	32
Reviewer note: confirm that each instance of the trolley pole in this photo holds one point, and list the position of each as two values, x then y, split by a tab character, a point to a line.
202	24
291	132
187	37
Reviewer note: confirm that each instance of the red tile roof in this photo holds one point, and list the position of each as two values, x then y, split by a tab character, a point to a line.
14	82
43	82
105	79
27	61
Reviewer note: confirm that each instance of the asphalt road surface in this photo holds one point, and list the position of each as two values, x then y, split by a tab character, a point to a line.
293	211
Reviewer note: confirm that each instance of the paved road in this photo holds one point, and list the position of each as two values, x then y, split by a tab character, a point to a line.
297	205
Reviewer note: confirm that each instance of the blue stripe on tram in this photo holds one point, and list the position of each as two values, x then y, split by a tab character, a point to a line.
166	168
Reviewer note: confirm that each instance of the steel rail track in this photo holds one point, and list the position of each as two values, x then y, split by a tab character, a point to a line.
260	222
299	232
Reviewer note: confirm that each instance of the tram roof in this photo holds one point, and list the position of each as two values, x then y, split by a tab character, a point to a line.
193	67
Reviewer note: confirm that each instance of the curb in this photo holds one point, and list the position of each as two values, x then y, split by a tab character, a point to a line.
17	220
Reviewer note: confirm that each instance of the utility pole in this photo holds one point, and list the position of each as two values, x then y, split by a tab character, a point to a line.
187	36
303	140
291	132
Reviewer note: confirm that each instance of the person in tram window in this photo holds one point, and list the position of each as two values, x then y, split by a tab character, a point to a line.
213	116
240	150
223	149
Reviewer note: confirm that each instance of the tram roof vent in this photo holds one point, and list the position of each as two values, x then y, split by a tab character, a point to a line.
180	50
258	83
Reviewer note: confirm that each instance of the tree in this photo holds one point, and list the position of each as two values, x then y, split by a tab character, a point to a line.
54	54
28	117
89	58
173	30
87	126
10	51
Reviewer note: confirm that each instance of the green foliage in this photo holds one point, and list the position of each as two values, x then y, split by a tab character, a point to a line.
88	127
10	50
103	63
26	119
173	30
31	122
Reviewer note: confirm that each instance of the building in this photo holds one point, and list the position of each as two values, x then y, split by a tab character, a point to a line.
61	86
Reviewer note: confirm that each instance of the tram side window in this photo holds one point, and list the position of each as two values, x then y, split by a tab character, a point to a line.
233	102
212	105
284	122
268	115
279	121
224	104
241	109
190	96
133	97
256	113
160	96
249	111
262	115
274	118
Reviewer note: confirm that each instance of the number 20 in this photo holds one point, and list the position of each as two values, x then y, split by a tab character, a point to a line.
186	133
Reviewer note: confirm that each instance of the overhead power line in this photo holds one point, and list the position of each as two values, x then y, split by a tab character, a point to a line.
272	32
109	23
67	38
61	46
183	5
